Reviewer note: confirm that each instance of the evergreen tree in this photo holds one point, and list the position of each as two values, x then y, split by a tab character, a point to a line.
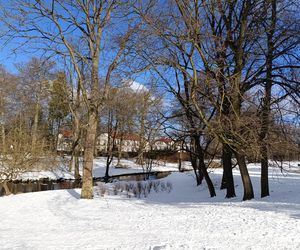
58	104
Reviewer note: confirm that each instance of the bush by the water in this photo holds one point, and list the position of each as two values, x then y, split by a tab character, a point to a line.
135	189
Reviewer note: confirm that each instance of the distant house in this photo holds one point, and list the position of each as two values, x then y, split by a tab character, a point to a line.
163	144
65	141
101	142
127	142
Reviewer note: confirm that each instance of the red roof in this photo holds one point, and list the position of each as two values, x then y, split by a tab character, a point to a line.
128	137
67	133
165	140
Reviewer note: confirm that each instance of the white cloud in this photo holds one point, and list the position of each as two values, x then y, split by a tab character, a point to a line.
135	86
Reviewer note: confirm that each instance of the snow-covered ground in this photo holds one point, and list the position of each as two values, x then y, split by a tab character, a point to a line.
185	218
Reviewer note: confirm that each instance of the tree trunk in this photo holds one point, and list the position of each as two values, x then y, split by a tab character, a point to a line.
91	131
120	152
203	168
142	143
108	162
75	147
265	120
223	181
88	157
227	180
110	149
35	124
179	162
209	183
3	138
76	167
7	191
248	189
197	170
264	172
78	138
224	162
56	133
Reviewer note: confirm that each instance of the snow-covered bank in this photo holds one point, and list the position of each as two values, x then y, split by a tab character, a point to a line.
129	166
185	218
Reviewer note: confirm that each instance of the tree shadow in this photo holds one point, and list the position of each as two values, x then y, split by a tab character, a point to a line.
74	193
284	197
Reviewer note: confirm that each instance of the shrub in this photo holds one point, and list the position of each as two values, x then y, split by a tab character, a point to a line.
135	189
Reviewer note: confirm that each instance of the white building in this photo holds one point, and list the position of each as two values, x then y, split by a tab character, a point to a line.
127	142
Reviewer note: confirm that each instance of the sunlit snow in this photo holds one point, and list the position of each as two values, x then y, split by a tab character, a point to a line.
185	218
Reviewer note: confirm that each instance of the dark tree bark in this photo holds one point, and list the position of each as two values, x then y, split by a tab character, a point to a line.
227	180
76	168
266	106
203	168
248	189
197	171
6	188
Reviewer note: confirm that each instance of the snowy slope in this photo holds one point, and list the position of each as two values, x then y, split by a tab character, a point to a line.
185	218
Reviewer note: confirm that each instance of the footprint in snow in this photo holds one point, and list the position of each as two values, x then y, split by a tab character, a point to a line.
161	247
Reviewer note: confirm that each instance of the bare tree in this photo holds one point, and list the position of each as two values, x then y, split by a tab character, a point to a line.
35	77
56	26
18	153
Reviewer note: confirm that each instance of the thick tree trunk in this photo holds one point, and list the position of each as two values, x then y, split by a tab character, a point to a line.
209	183
264	161
87	179
227	180
225	156
248	189
265	120
203	168
91	131
198	173
223	181
264	173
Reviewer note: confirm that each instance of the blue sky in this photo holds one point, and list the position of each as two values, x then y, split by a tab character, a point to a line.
9	59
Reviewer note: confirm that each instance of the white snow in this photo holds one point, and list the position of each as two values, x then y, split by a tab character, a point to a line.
185	218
